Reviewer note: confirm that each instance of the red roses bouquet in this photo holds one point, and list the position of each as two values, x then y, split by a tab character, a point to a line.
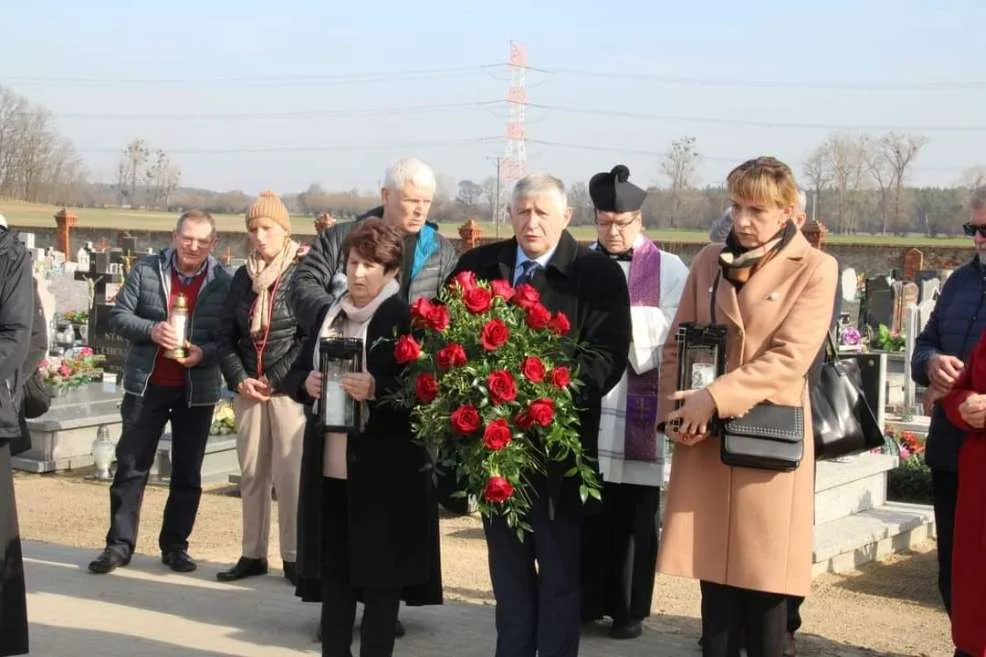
490	382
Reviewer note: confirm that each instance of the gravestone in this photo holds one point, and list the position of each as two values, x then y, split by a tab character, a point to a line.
928	289
848	285
106	278
878	305
912	263
925	309
906	297
70	293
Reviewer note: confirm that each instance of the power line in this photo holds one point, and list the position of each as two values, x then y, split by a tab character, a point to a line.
308	149
319	113
702	156
762	124
266	81
676	80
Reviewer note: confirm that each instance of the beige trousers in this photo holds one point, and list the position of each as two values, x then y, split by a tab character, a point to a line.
269	442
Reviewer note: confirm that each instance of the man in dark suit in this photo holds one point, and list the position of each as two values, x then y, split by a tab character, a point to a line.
538	608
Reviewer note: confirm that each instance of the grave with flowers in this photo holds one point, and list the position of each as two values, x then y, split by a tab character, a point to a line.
82	401
220	463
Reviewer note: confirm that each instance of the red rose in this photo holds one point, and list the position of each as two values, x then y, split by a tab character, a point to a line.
525	296
477	300
438	318
498	489
497	435
451	355
559	324
465	419
502	386
533	369
542	411
524	420
502	289
560	377
538	317
494	334
426	387
465	279
406	350
421	308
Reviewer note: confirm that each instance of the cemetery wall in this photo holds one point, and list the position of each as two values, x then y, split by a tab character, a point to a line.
870	259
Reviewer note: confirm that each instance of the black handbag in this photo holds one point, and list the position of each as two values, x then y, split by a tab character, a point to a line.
37	396
842	420
768	437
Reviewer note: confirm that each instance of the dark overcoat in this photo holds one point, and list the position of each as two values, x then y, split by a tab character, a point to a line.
393	512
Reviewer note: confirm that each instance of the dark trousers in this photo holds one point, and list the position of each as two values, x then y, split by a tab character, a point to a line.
339	595
536	583
143	421
794	603
13	595
727	611
619	554
945	494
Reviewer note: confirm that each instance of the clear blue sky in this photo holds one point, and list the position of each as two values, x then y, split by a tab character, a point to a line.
868	63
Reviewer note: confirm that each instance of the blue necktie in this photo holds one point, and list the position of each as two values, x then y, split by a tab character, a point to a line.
527	270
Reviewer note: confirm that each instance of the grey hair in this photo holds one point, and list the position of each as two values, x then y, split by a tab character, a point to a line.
409	170
197	216
535	184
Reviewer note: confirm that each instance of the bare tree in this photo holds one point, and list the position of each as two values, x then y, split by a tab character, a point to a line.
679	166
818	171
973	177
846	157
469	193
899	150
161	178
583	212
132	162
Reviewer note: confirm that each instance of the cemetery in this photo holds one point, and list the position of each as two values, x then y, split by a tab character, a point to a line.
866	506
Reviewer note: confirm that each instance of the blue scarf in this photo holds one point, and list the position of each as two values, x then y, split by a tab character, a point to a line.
426	246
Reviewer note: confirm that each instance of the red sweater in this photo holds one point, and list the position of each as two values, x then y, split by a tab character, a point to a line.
969	537
167	371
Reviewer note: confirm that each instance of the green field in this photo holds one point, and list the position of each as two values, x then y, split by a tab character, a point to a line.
29	215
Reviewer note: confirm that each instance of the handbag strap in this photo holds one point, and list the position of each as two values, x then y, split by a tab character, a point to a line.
712	298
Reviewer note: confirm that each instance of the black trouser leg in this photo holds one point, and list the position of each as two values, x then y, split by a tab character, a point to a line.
765	622
794	603
727	611
338	597
945	493
515	588
143	420
189	433
376	637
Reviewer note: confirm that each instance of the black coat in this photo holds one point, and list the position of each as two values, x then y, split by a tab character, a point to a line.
393	513
16	320
234	346
591	290
13	597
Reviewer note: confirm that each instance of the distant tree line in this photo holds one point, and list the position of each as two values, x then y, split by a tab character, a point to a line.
855	183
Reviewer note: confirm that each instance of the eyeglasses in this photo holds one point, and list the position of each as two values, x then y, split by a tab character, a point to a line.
971	229
606	225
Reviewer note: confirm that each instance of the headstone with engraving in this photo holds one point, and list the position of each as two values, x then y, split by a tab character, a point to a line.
878	304
105	279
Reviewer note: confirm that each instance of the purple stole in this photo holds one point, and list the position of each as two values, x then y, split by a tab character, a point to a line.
644	284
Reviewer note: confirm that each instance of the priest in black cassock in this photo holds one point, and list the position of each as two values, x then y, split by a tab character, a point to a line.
619	545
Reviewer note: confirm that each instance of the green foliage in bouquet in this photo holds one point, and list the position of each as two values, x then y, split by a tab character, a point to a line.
66	373
490	379
223	419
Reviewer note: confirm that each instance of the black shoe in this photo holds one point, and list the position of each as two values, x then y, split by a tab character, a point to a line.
626	630
290	572
244	568
398	629
178	561
107	561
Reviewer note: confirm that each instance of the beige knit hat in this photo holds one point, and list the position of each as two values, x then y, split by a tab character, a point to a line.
269	205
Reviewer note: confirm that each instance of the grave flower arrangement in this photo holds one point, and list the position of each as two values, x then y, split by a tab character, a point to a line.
490	383
66	373
223	419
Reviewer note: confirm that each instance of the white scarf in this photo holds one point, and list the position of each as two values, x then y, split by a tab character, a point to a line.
360	316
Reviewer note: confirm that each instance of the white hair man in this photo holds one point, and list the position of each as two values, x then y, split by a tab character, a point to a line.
536	581
319	280
406	195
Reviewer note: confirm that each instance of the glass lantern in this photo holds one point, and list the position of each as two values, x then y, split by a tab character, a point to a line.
337	357
103	452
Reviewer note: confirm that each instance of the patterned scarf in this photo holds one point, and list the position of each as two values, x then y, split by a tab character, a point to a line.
739	263
264	274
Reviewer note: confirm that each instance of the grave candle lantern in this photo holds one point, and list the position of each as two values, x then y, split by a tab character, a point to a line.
337	357
178	319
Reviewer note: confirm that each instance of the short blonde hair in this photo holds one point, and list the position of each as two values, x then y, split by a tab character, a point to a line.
764	180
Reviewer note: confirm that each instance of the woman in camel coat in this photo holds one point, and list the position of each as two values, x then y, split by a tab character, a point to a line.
746	533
